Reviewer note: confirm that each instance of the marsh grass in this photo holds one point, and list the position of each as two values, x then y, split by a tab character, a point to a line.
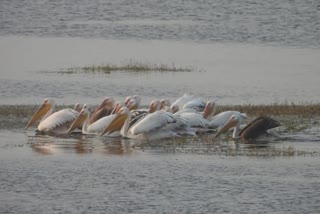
130	66
304	109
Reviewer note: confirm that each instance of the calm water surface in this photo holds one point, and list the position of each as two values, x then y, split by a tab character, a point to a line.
73	175
241	52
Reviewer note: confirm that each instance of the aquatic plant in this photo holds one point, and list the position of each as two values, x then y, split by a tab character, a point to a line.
131	66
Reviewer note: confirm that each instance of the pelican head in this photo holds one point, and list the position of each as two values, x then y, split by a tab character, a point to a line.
234	121
164	102
133	102
132	105
174	108
209	109
116	108
154	106
45	109
77	107
83	115
117	123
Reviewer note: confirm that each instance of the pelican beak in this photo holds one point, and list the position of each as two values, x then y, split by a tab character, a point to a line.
44	108
229	124
77	122
115	124
116	109
132	107
101	106
152	109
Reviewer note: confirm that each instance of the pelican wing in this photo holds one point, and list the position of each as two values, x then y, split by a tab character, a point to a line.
196	104
58	120
99	125
183	100
152	122
222	118
195	119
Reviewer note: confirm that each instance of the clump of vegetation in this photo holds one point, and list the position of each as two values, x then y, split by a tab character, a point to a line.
307	109
135	67
131	66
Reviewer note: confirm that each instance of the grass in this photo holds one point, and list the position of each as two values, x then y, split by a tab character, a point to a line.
131	66
275	109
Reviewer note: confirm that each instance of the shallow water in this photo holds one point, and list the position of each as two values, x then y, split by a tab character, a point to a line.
285	22
81	174
241	52
262	75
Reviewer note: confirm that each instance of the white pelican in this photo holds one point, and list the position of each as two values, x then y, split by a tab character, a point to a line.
179	103
165	103
77	107
133	102
196	104
94	128
208	110
104	109
253	130
221	118
55	123
156	125
198	120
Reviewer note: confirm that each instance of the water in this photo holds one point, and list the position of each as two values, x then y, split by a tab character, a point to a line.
285	22
83	174
241	52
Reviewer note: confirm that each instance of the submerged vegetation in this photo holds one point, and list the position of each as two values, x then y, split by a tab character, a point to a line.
130	66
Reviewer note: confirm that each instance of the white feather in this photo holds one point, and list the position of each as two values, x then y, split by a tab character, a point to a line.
183	100
221	118
195	104
153	121
98	126
59	121
195	119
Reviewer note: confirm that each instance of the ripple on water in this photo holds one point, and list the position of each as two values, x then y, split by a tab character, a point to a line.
90	174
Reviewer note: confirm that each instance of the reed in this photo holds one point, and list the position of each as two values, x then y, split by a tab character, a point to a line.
304	109
131	66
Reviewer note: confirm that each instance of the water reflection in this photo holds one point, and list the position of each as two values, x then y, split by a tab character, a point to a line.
80	144
201	145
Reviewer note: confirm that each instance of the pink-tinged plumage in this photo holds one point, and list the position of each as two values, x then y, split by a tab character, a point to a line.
58	122
94	128
55	123
157	125
152	122
221	118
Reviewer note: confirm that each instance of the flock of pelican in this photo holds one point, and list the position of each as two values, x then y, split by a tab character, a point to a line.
188	115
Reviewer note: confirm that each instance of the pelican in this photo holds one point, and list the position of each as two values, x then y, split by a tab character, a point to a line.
179	103
104	109
198	120
55	123
208	110
156	125
165	103
195	104
221	118
77	107
253	130
133	102
94	128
